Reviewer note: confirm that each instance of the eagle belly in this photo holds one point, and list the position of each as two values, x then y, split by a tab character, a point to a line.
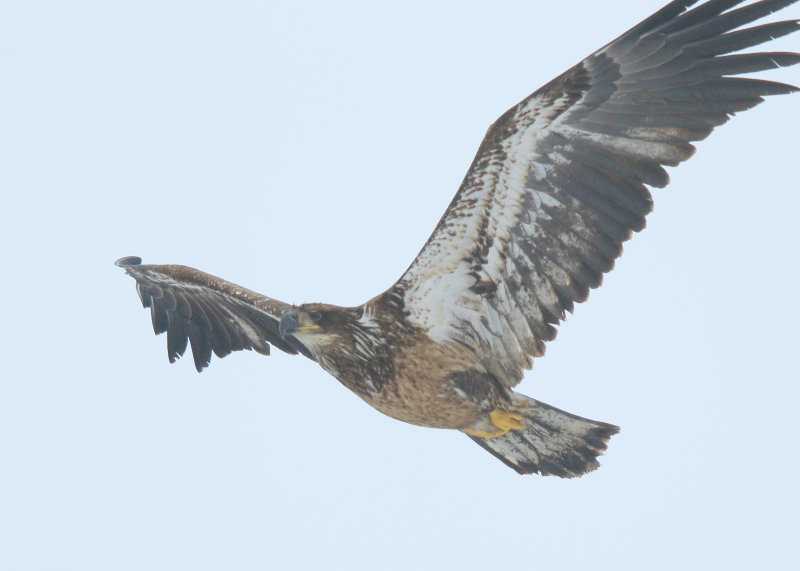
436	385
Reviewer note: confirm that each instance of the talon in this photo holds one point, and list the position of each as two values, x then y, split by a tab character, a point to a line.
503	420
482	434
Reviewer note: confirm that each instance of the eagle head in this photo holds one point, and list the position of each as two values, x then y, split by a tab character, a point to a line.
320	326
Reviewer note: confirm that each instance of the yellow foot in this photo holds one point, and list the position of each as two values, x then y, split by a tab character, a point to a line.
503	420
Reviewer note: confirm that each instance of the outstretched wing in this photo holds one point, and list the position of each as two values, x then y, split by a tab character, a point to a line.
209	313
560	181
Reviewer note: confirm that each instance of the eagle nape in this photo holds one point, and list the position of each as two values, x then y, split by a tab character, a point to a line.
559	183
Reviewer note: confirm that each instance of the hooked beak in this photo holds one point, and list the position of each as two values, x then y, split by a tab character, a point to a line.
288	324
294	321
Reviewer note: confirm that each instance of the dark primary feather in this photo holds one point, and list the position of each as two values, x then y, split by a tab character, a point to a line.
208	313
591	142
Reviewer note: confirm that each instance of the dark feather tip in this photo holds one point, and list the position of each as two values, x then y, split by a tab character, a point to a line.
128	261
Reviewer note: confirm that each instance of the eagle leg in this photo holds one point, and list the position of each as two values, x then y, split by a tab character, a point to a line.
503	420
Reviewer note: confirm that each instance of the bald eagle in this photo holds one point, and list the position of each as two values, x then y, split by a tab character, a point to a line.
558	184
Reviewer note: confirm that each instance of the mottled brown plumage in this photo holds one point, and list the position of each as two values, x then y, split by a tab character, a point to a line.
558	184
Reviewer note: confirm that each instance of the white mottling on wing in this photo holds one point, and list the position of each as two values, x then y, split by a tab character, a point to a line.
501	199
253	335
546	198
559	158
539	171
657	151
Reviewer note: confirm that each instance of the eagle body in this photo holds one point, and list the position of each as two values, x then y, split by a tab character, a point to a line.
559	183
399	370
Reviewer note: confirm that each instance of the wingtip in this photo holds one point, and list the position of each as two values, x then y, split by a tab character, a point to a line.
126	261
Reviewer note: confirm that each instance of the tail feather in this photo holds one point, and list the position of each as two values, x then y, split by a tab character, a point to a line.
550	442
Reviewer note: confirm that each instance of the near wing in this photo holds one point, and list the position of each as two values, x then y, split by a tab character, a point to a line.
210	313
559	181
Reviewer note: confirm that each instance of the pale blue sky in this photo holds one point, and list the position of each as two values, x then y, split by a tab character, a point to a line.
306	150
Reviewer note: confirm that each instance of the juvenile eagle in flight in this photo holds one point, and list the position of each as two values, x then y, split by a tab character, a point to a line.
558	184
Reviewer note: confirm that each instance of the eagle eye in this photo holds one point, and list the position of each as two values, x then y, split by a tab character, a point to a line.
316	316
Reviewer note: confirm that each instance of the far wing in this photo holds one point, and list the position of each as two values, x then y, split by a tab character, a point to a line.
209	313
560	181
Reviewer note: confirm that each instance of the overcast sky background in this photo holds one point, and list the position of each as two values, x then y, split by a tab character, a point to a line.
306	150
